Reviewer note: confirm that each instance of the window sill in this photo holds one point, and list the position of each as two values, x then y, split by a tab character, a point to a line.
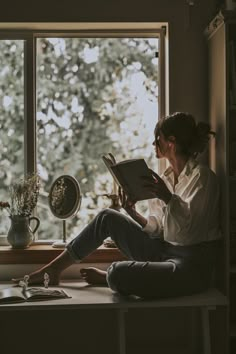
42	254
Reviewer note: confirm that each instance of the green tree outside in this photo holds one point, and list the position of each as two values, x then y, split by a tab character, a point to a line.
94	95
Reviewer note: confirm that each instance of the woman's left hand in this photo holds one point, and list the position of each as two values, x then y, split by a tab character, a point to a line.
157	186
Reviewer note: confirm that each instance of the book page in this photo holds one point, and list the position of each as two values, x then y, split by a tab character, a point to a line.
112	158
107	159
11	295
40	294
129	160
108	162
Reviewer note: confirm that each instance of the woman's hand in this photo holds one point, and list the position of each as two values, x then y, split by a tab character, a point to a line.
126	202
129	206
157	186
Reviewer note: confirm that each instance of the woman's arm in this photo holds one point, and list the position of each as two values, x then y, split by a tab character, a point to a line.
129	206
193	215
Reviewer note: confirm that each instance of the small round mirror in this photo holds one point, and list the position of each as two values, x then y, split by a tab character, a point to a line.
64	201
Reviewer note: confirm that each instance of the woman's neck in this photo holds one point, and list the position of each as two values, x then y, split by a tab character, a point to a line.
177	164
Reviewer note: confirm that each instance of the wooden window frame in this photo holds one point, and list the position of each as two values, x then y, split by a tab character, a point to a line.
39	253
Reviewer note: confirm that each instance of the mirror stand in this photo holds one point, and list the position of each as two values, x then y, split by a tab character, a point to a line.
64	202
63	243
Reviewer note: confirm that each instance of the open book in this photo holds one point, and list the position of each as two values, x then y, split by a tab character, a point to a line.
128	175
17	294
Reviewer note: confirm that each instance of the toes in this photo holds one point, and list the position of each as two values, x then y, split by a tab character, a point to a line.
84	274
83	271
85	278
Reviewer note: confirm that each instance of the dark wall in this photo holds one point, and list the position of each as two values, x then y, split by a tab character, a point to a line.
148	331
102	10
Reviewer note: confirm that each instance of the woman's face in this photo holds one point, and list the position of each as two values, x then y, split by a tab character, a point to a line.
162	146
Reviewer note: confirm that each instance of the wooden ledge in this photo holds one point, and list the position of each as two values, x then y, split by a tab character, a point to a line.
42	254
100	297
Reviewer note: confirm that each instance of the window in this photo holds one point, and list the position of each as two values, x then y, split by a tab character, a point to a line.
11	117
79	94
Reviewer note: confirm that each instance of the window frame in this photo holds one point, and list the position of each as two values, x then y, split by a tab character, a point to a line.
29	32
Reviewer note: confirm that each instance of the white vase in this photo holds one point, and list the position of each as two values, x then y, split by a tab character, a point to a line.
20	234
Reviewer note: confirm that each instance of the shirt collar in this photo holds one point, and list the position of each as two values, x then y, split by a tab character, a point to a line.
189	166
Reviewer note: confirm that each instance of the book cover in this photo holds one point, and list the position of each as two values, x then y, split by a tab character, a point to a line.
128	174
16	294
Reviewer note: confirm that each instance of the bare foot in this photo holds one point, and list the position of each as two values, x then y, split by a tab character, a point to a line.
94	276
37	277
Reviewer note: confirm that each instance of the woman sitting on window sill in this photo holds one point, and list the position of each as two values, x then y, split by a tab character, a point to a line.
172	252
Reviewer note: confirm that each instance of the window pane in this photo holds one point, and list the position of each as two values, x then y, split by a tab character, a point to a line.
11	119
94	96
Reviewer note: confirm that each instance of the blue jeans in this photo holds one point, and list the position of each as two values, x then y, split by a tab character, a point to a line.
155	267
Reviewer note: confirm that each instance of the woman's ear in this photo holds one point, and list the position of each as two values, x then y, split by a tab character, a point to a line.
172	143
171	140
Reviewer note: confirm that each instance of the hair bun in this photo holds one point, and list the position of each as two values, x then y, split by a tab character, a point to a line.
191	137
203	132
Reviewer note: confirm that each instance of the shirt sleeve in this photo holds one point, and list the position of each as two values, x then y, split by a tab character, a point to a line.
154	224
186	218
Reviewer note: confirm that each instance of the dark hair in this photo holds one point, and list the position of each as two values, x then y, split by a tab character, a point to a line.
191	137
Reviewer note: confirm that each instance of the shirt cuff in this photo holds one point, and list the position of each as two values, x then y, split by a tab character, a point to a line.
151	225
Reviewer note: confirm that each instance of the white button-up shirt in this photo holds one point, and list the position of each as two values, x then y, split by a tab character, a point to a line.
192	214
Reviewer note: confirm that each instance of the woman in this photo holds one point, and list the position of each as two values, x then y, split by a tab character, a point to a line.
171	252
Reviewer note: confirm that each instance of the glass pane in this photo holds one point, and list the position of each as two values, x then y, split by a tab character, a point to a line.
11	119
94	96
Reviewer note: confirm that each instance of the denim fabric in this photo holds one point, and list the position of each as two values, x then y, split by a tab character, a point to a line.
155	268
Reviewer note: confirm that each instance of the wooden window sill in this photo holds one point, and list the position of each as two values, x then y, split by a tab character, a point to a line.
42	254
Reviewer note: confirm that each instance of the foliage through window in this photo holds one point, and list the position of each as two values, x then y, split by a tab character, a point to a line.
93	96
11	118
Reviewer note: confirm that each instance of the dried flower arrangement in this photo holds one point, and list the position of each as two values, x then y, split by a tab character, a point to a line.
23	196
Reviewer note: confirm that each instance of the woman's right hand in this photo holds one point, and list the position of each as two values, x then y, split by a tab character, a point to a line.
127	204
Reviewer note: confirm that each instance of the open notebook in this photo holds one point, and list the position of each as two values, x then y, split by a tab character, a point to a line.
18	294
